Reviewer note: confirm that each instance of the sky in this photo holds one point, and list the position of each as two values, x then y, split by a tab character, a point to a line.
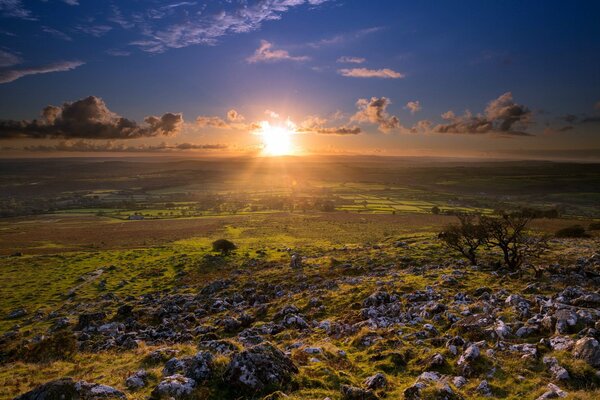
433	78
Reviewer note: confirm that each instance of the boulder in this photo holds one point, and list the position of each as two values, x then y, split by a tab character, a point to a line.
588	350
67	389
377	381
138	380
355	393
175	386
260	368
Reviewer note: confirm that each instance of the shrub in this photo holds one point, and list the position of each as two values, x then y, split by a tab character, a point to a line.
435	210
465	238
594	226
509	234
573	231
223	245
61	346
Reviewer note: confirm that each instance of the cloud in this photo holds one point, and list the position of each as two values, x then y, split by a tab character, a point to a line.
235	120
111	146
211	122
597	106
344	37
89	118
234	116
266	53
14	74
374	111
385	73
206	29
15	9
351	60
94	30
502	115
72	2
57	33
8	59
413	106
118	53
316	124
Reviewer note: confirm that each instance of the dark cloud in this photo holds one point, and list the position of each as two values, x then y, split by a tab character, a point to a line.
374	111
94	146
11	75
502	115
89	118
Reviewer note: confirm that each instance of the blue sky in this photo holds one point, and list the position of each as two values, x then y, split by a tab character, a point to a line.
310	62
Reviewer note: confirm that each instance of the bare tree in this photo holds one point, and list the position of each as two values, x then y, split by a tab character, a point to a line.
465	238
509	234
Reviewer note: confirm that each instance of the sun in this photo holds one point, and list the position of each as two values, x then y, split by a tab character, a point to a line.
277	140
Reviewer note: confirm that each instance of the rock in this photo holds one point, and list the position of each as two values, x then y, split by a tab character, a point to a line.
558	373
588	350
470	354
436	360
484	388
87	320
429	385
296	261
54	390
199	367
18	313
260	367
176	387
553	392
560	343
502	330
160	355
67	389
459	381
377	381
565	321
354	393
138	380
378	298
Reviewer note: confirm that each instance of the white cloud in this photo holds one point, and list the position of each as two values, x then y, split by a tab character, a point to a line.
413	106
351	60
384	73
266	53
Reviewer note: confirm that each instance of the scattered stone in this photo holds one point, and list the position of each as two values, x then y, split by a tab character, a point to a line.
484	388
260	367
18	313
354	393
66	389
176	387
138	380
588	350
553	392
377	381
558	372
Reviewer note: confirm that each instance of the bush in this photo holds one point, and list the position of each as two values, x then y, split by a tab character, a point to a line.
507	233
435	210
223	245
594	226
573	231
465	238
62	346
